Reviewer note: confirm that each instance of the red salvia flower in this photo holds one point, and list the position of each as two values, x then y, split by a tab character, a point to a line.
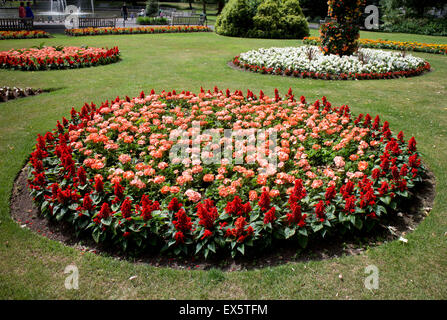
206	234
207	214
87	203
269	216
264	201
412	144
82	175
319	210
330	193
350	204
99	185
126	208
118	191
105	211
183	222
174	205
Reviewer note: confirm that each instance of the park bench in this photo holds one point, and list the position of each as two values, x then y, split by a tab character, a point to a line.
97	22
11	24
187	20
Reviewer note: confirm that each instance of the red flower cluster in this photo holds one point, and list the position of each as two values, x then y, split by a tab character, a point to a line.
195	208
57	58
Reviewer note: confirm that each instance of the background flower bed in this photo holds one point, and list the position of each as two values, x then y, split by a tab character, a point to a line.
393	45
57	57
23	34
106	172
137	30
308	61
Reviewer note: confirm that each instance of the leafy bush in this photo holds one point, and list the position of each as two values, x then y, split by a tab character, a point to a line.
152	21
434	27
235	20
263	19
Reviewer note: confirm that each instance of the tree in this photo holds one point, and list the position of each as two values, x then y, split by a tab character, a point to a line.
152	7
340	35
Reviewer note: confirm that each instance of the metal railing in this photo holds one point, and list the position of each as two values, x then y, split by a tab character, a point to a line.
12	24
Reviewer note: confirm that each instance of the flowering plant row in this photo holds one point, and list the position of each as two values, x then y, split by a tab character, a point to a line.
308	61
57	58
23	34
109	171
393	45
136	30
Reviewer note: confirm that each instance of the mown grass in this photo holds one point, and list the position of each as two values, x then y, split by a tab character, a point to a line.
33	267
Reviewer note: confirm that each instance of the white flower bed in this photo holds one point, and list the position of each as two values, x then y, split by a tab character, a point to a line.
297	58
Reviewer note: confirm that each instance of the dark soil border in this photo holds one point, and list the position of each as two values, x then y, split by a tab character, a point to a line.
27	215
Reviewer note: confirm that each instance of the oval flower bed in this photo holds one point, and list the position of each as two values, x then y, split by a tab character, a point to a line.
46	58
310	62
135	30
393	45
23	34
107	171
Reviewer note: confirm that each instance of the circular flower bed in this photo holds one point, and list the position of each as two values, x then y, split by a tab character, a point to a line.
310	62
115	172
57	58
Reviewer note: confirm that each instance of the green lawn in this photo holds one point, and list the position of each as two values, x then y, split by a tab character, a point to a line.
33	267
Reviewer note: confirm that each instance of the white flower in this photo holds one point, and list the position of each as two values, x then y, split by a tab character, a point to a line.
296	58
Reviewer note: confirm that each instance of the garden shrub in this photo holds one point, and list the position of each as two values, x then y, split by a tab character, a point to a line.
152	21
263	19
434	27
235	20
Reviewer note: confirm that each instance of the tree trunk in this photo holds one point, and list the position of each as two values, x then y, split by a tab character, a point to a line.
190	4
220	6
204	6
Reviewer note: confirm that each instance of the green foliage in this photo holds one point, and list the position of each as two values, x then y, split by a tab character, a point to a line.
433	27
235	19
152	7
263	19
152	21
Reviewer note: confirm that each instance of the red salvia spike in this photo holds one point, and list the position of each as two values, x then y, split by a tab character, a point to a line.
201	90
127	99
303	100
152	91
289	92
142	95
261	94
216	90
174	92
228	93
